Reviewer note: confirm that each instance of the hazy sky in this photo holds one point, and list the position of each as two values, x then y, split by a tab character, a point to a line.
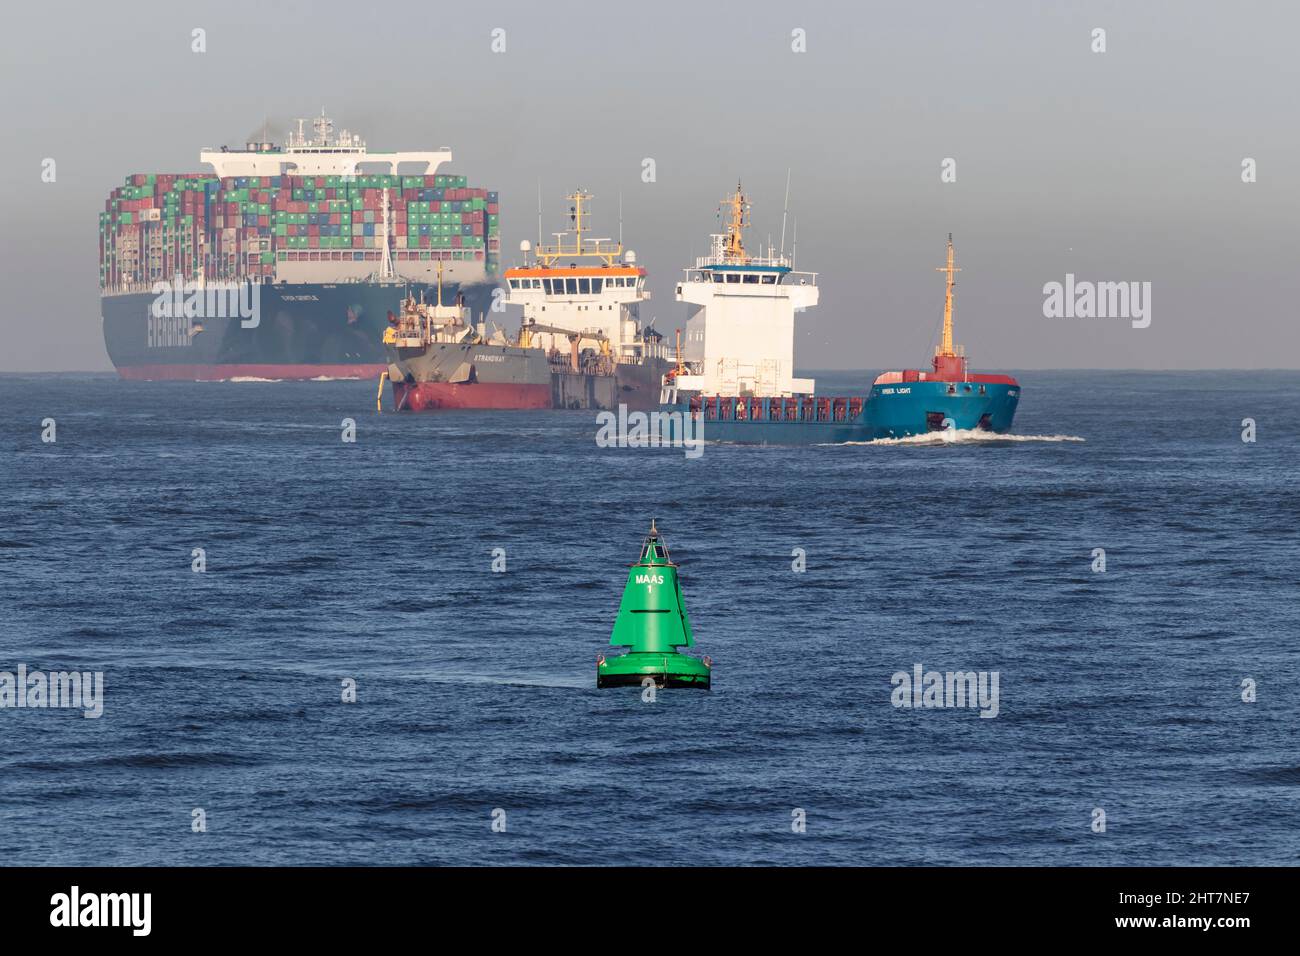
1115	166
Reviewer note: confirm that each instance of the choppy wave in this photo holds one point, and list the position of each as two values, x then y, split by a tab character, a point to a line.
329	562
964	436
250	378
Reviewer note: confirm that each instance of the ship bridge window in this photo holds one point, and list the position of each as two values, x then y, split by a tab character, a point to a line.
733	277
571	285
717	276
596	285
584	286
514	283
752	280
769	280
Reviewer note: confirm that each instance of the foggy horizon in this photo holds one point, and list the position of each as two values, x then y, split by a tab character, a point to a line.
1122	166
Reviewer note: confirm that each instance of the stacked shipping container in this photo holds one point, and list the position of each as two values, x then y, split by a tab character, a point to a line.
157	226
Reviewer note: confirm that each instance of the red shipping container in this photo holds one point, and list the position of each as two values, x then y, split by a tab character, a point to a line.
478	228
424	242
492	209
358	242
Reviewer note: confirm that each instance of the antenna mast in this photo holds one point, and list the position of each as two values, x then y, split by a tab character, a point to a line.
786	212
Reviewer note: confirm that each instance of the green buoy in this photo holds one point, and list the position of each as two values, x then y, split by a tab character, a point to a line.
652	624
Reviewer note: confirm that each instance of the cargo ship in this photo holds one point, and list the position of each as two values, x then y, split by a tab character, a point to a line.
580	343
283	262
439	359
735	381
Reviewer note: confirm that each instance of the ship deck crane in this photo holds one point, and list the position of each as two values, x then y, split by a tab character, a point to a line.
528	329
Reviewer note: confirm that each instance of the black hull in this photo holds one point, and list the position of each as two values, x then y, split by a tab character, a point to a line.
303	331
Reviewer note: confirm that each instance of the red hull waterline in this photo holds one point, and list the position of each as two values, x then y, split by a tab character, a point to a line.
221	373
436	396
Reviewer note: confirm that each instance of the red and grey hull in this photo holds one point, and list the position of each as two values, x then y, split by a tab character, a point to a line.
459	375
455	375
435	396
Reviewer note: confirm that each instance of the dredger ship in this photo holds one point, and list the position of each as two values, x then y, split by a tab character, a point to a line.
735	379
580	343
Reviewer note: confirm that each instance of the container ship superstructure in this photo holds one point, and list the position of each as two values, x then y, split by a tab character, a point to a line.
580	344
736	376
318	241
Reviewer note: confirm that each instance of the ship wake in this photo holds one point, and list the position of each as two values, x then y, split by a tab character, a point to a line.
964	436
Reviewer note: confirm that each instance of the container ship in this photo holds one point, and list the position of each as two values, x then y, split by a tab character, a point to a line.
735	380
284	262
580	343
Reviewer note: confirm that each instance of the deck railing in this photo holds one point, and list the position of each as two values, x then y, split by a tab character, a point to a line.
793	409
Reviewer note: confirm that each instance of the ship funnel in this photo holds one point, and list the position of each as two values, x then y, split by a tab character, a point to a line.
652	623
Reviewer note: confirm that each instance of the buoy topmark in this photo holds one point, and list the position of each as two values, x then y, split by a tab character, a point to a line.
652	624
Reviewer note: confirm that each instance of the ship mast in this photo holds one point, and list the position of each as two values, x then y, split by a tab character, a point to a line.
385	255
734	247
598	248
946	349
